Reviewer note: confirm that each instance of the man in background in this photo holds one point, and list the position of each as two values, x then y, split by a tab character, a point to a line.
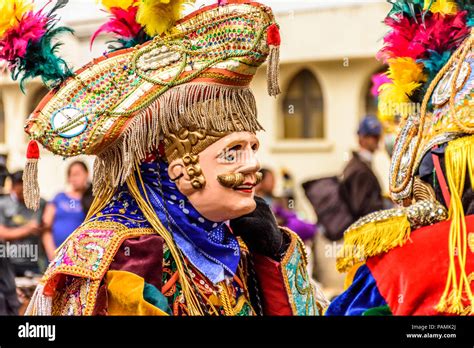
9	303
359	193
20	229
360	187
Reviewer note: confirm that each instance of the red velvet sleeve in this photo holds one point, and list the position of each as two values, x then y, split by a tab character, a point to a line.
285	286
272	285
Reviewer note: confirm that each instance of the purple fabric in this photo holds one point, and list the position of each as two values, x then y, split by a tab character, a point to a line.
142	256
303	229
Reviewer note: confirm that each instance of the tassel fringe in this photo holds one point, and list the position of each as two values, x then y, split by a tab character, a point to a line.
39	303
372	239
31	186
273	71
459	159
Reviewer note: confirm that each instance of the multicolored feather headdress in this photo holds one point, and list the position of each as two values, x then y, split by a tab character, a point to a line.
27	42
192	73
424	34
430	53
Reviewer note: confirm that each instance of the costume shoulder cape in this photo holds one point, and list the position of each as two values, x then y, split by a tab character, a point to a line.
85	257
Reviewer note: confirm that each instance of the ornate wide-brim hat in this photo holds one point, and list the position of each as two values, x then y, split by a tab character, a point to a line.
194	74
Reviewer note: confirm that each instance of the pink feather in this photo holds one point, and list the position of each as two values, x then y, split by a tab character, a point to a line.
399	42
436	32
15	41
121	23
442	33
377	81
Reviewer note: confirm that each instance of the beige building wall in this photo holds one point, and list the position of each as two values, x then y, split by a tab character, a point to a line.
336	44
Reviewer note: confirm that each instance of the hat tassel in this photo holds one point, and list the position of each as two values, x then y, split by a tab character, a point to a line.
273	67
30	177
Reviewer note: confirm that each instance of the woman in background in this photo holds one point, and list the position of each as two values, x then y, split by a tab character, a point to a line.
65	212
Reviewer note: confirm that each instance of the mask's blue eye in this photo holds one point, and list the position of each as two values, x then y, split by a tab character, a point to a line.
230	157
230	154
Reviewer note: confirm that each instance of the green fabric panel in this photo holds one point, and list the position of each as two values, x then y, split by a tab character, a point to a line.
378	311
154	297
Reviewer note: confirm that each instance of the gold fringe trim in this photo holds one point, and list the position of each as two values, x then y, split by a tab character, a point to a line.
372	239
30	183
190	106
39	303
459	158
273	71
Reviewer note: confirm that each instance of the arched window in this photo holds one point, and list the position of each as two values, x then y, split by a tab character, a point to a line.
303	108
2	121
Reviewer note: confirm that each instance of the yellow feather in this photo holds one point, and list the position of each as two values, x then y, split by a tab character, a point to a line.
407	76
405	70
447	7
124	4
158	16
394	99
11	11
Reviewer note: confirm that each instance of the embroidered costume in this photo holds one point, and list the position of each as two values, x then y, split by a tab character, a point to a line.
169	91
418	259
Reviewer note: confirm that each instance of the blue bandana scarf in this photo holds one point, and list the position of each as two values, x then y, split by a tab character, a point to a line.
209	246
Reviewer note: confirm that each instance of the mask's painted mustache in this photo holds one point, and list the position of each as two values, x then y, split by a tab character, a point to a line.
234	180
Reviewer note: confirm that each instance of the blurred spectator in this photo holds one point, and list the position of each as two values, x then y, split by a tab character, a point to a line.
283	207
340	201
9	303
3	173
65	212
266	186
21	227
87	199
359	183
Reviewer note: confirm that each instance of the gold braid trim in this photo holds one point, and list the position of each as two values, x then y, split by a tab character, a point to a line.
224	298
